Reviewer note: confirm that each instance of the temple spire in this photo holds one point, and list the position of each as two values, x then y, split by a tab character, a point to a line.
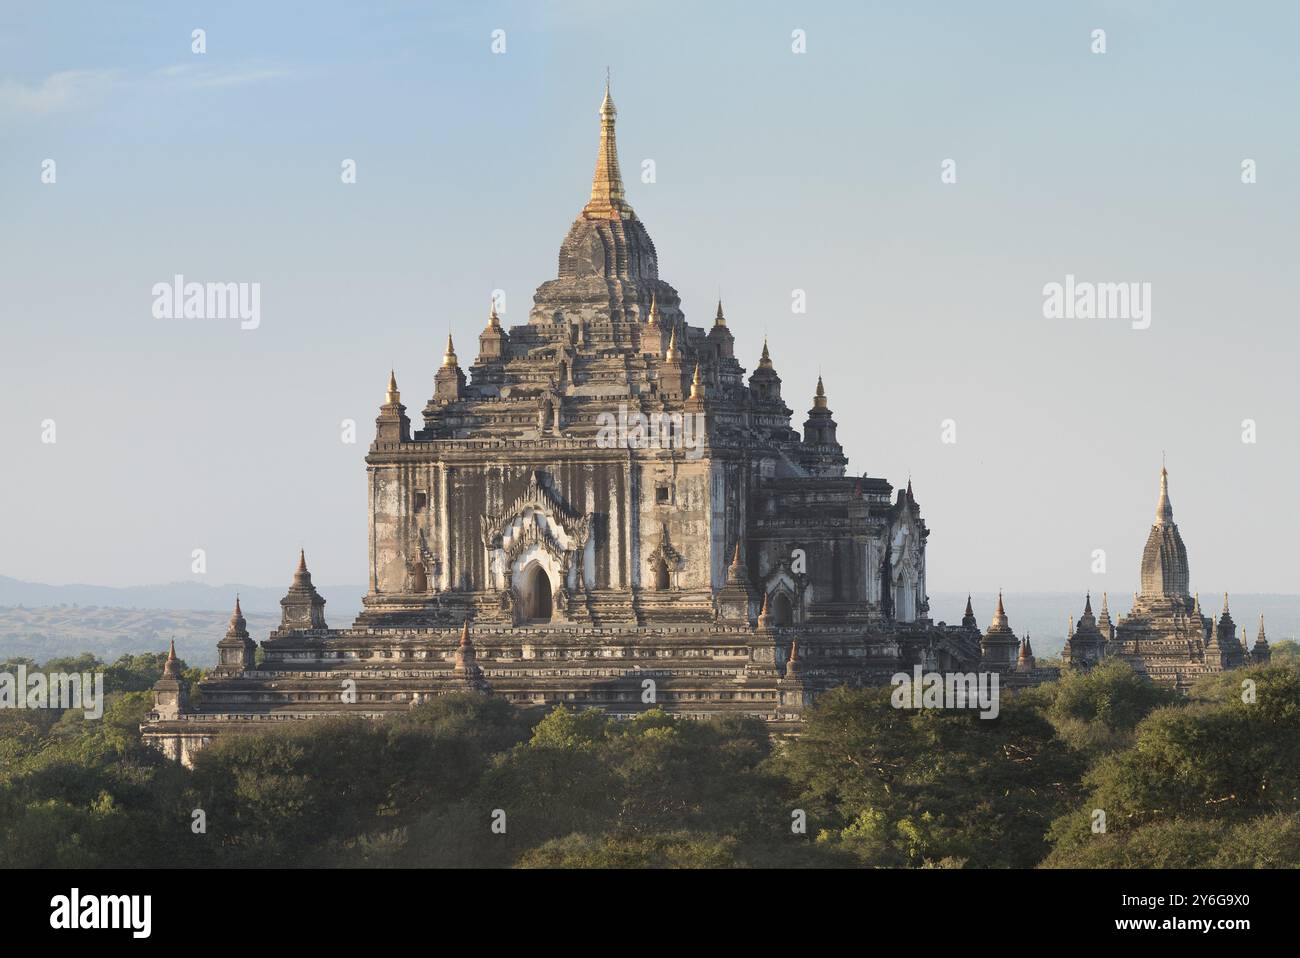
765	361
1164	510
449	357
720	320
819	400
172	667
392	396
697	384
607	198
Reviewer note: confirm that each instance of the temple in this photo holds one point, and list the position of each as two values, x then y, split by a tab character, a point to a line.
1165	636
601	510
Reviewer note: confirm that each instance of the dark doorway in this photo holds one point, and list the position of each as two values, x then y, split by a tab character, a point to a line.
782	613
537	594
662	583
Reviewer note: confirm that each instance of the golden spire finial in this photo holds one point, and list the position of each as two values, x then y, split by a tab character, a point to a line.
1164	510
493	319
671	355
720	320
392	396
819	400
607	198
697	384
653	320
449	357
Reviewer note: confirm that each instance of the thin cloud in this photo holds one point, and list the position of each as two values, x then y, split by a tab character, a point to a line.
76	89
216	77
66	90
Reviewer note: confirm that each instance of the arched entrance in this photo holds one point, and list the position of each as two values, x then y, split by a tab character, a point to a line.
782	612
662	580
535	594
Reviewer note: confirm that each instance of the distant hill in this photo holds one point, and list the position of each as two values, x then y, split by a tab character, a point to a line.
343	602
42	621
46	632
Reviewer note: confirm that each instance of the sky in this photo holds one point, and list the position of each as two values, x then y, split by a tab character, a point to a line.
775	171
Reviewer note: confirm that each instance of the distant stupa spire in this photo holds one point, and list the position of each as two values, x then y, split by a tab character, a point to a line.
1164	509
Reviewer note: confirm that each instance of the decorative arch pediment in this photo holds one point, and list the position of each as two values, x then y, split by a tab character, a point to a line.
780	580
537	520
538	499
665	552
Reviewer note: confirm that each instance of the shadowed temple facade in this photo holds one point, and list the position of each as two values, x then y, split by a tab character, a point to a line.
619	515
603	510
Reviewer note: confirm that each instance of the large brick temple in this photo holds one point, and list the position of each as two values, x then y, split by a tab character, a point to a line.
603	510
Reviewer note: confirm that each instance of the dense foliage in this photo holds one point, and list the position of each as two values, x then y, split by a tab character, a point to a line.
1210	781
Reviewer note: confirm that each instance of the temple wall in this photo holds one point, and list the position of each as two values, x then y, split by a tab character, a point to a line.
457	497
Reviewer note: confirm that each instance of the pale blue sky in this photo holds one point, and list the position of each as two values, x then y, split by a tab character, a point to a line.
775	171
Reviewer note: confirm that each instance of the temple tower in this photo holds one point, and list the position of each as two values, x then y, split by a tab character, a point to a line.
302	608
1164	560
1000	644
236	651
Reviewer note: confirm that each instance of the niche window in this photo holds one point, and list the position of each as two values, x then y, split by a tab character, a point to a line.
662	494
421	501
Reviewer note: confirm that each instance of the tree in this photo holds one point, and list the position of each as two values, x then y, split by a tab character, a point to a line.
1229	757
903	787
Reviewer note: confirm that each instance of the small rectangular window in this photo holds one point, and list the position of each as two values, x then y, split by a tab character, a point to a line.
421	500
661	494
